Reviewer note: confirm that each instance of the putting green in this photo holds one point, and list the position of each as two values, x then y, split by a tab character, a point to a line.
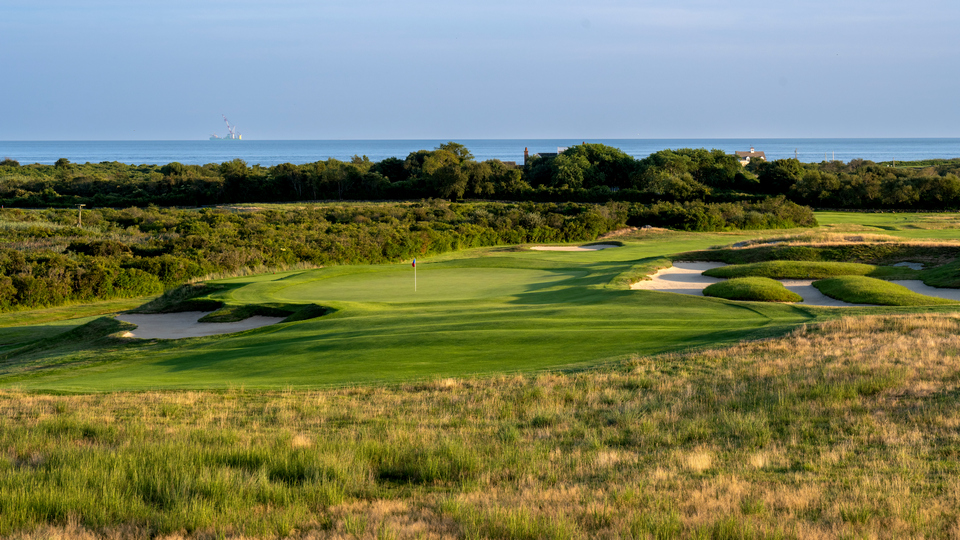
396	285
492	310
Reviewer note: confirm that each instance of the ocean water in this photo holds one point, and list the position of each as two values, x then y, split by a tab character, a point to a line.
268	153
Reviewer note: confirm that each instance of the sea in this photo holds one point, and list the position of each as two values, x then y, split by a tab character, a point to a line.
269	153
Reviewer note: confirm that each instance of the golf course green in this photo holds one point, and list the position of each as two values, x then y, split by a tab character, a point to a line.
482	311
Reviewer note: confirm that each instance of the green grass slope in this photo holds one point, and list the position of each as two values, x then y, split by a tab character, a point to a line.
758	289
810	270
489	311
866	290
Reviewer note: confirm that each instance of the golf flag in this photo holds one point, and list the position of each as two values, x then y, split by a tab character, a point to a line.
414	262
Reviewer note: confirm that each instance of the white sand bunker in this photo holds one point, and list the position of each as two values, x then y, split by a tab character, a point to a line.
186	324
591	247
682	277
686	278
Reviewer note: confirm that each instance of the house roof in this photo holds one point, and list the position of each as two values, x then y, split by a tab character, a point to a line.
751	154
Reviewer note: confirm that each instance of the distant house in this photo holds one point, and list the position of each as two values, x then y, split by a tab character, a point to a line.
526	154
745	157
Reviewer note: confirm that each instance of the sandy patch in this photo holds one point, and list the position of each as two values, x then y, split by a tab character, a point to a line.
682	278
593	247
812	296
184	325
687	278
917	286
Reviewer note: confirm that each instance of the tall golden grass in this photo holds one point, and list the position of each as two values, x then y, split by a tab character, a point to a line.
846	429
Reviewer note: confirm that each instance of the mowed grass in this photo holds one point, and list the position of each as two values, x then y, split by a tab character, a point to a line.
866	290
840	430
907	225
757	289
485	311
488	311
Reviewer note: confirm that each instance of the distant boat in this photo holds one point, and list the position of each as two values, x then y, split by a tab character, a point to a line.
232	134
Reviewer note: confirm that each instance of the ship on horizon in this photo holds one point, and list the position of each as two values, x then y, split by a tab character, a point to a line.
232	134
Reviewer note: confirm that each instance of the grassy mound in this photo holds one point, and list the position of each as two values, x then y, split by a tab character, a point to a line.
291	312
758	289
866	290
947	275
188	297
810	270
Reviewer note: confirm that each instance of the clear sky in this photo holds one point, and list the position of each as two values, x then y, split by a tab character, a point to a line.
468	69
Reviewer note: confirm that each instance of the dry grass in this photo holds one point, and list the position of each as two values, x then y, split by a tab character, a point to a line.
823	238
847	429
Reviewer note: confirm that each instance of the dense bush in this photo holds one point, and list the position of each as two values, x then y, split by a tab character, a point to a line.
582	173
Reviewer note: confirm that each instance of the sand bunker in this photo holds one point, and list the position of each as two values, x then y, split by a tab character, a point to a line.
812	296
185	324
686	278
592	247
682	277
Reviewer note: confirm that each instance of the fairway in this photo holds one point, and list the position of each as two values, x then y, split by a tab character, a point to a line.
396	285
481	311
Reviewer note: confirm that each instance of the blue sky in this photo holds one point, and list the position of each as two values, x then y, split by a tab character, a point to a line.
368	69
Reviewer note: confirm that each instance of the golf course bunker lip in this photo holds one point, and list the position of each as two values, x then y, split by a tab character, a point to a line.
919	287
813	297
687	278
591	247
186	324
682	278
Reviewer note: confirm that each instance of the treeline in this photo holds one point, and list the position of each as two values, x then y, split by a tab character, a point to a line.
582	173
47	260
863	184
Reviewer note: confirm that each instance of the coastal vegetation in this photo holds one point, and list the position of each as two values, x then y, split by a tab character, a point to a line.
583	173
810	270
499	391
47	260
840	429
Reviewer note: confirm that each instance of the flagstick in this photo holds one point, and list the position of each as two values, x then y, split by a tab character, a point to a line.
414	279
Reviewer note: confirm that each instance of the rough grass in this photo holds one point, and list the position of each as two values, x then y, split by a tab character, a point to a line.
758	289
947	275
290	312
810	270
847	429
866	290
870	253
186	297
